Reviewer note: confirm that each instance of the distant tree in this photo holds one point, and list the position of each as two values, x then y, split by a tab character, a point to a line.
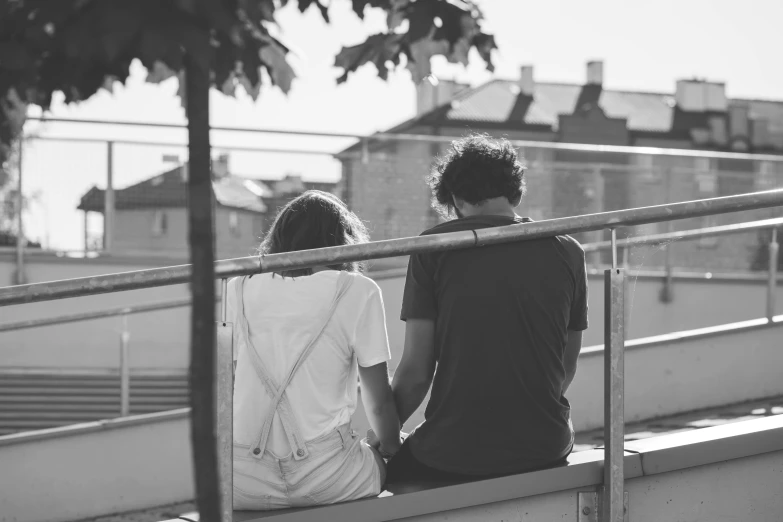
79	46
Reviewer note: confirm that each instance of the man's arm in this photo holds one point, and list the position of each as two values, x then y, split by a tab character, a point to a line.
414	374
572	349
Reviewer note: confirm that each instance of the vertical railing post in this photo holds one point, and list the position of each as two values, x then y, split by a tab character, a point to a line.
21	243
598	206
666	292
774	253
612	505
224	401
108	200
124	369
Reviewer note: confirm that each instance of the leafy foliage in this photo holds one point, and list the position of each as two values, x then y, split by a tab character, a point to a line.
434	27
79	46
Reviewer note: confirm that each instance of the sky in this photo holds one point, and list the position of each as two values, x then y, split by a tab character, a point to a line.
645	46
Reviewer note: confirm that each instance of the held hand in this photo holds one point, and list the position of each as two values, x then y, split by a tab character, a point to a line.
372	439
386	451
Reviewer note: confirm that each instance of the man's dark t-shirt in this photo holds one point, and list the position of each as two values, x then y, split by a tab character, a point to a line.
501	315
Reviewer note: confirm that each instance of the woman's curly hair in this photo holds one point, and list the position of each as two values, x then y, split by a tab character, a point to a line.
474	169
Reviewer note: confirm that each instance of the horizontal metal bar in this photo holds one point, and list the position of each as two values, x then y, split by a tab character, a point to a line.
655	151
588	247
390	248
99	314
184	145
698	233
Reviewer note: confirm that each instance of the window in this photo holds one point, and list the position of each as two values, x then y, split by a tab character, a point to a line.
233	224
160	223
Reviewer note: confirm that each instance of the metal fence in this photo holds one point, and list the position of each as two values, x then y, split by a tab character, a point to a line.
613	494
124	192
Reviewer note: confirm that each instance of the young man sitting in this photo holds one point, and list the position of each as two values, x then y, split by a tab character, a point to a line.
503	325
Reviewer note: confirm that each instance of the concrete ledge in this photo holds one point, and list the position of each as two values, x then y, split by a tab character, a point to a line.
585	469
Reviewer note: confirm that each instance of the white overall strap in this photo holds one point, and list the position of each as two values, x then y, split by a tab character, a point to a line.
280	401
243	330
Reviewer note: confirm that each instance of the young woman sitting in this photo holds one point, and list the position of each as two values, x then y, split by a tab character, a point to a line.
302	340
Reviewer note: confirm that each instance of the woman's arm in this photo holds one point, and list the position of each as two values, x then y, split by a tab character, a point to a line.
379	405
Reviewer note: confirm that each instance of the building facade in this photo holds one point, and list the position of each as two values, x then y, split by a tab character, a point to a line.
568	173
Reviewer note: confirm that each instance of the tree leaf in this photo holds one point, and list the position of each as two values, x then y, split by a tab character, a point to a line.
484	45
159	72
359	6
273	57
14	56
377	49
419	56
305	4
397	13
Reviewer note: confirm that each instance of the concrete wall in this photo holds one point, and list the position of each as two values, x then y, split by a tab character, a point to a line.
97	469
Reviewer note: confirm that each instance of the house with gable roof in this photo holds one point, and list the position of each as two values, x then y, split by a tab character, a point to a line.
150	217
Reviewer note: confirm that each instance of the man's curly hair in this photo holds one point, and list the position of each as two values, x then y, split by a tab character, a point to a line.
474	169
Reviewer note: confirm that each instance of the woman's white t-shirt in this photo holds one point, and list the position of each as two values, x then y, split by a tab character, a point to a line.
283	315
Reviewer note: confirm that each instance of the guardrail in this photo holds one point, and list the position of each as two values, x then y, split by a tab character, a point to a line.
625	244
614	332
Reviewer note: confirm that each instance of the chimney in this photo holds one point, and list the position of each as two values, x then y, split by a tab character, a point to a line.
220	166
527	85
701	96
595	72
432	93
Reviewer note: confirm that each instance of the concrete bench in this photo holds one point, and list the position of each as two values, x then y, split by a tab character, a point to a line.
584	471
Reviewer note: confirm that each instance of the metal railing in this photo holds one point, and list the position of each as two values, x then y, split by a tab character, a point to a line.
109	242
614	333
624	244
123	313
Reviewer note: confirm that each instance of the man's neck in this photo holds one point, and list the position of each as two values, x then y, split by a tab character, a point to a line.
490	207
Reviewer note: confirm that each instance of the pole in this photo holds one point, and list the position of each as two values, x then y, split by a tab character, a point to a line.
224	399
773	274
19	277
666	292
108	200
614	345
124	369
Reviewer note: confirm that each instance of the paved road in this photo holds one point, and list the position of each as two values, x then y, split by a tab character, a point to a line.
584	441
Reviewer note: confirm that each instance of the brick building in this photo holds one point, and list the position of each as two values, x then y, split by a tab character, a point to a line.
383	180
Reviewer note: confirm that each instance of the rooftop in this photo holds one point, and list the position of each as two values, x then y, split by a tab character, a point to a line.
503	105
169	190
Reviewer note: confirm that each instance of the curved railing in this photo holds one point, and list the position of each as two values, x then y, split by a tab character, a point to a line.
612	504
